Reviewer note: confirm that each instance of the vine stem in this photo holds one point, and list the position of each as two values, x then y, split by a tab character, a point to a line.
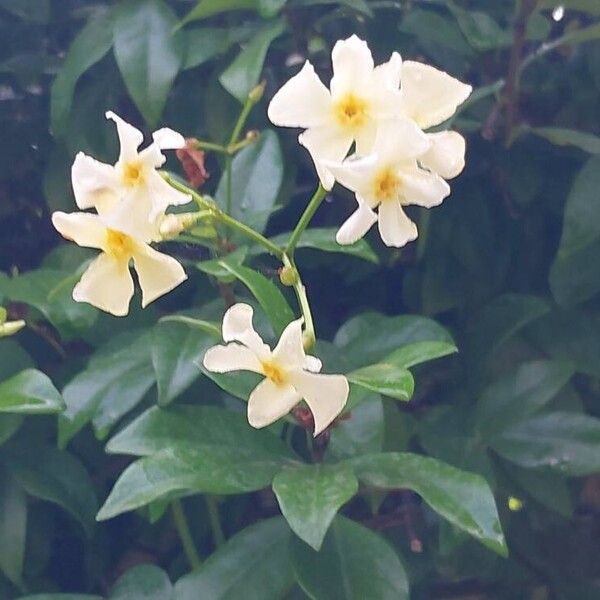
215	522
185	535
307	215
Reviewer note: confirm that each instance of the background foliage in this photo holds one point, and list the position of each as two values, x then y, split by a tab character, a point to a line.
508	268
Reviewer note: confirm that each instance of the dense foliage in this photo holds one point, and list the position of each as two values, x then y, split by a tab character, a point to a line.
464	464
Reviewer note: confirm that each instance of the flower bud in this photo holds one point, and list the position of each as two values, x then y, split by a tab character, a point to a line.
172	225
257	92
11	327
288	276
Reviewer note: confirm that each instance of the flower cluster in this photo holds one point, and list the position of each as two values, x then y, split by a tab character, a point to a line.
130	199
381	111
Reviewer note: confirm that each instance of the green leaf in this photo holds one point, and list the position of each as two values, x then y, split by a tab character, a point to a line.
61	597
148	52
357	5
419	352
13	527
257	174
208	8
193	427
323	238
30	392
519	394
310	496
144	581
589	6
384	378
558	136
214	268
463	498
561	441
480	29
36	11
575	274
89	46
204	43
254	564
370	337
267	293
205	469
176	349
9	425
239	384
115	380
244	72
353	564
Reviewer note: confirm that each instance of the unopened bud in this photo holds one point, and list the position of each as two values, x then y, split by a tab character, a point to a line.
11	327
172	225
252	135
515	504
288	276
257	92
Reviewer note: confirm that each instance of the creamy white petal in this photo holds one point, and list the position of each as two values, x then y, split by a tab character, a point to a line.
132	215
290	349
269	402
357	224
387	75
423	188
352	66
446	154
85	229
325	395
365	138
301	102
430	96
237	326
95	184
130	138
157	273
168	139
326	144
355	173
152	156
386	97
163	195
399	140
232	357
312	364
106	284
395	228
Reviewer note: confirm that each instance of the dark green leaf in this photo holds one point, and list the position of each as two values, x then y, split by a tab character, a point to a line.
208	8
37	11
30	392
13	526
562	441
88	47
310	496
480	29
214	268
148	52
9	425
384	378
254	565
353	564
144	581
420	352
462	498
519	394
568	137
244	72
205	43
257	174
61	597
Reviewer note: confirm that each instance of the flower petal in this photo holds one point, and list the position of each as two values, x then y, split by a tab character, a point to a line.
395	228
325	395
130	138
355	173
95	184
232	357
269	402
163	195
237	326
168	139
387	75
326	144
399	140
430	96
290	349
423	188
386	98
357	224
446	154
85	229
301	102
352	66
365	138
106	284
157	273
312	364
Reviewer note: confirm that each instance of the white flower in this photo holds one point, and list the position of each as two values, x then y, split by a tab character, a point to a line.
107	282
131	191
360	97
429	97
290	375
389	178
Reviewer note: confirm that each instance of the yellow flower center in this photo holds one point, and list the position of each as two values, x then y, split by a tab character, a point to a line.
386	184
120	245
133	174
274	373
351	111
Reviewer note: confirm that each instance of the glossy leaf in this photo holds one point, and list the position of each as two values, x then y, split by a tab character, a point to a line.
480	29
13	527
144	581
30	392
9	425
384	378
309	497
208	8
416	353
462	498
148	52
354	563
568	137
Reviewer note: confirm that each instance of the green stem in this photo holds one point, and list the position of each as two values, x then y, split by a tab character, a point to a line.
309	327
307	215
228	186
202	145
239	125
184	534
250	233
215	522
